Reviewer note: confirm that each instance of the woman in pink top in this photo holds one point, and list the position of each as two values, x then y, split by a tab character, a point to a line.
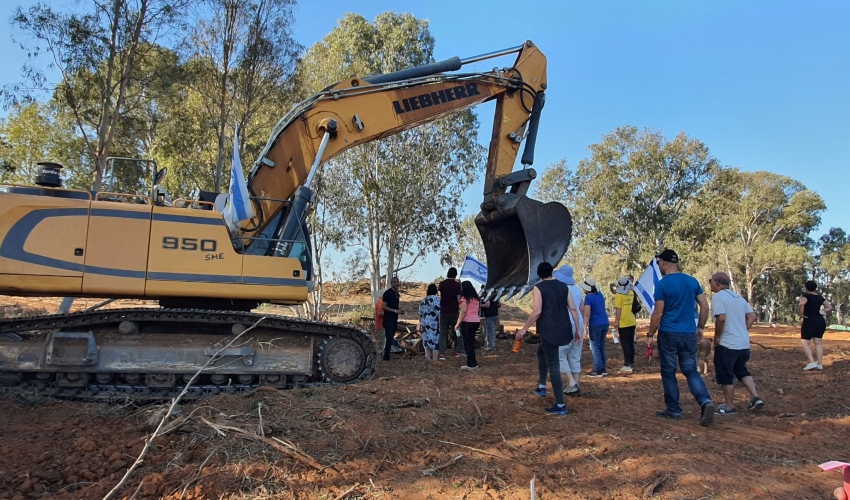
467	322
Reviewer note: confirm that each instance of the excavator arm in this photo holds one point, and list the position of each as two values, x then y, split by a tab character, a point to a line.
517	232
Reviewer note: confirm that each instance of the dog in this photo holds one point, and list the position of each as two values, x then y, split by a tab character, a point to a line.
703	355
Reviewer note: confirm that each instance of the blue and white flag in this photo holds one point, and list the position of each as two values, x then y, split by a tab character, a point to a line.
645	286
474	269
239	206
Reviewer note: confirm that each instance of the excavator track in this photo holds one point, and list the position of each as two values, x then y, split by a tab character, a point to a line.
153	354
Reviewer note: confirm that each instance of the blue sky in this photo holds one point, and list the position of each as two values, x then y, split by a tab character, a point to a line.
762	83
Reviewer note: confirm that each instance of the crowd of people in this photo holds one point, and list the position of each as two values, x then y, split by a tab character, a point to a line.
566	312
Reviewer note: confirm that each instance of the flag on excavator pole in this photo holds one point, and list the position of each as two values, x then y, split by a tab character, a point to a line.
239	206
645	286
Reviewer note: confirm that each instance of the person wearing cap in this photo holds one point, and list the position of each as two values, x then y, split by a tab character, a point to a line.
570	354
553	312
625	322
675	297
596	324
733	318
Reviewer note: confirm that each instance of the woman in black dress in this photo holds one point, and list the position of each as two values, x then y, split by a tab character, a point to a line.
814	324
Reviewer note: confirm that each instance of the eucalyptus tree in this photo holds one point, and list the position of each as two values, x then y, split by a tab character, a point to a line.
243	55
36	132
768	228
629	193
97	52
832	269
467	241
401	196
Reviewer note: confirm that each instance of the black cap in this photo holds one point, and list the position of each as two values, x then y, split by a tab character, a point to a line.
668	256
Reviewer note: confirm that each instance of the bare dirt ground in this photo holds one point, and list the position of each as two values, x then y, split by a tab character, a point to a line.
421	430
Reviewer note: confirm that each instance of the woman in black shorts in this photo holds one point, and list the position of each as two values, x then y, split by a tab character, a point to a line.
814	323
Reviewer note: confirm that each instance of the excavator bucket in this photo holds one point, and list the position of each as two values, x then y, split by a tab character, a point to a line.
516	240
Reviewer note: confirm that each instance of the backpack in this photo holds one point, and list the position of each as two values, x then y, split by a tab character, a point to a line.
636	307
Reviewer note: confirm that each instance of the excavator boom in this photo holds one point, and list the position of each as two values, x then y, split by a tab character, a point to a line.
518	233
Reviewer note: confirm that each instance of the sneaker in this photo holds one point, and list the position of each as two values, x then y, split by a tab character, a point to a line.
572	391
441	357
603	374
557	410
810	366
540	392
722	410
706	417
820	367
596	374
626	369
668	414
755	403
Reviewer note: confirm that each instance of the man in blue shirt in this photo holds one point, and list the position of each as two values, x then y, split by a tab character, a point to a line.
676	295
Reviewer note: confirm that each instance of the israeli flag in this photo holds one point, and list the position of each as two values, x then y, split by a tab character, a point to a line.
645	286
474	269
239	206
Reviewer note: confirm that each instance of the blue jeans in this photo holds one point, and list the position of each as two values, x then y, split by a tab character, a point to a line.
681	347
597	340
490	328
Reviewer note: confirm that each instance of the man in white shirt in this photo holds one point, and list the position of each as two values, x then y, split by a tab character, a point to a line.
733	318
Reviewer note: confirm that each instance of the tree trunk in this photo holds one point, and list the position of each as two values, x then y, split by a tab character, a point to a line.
374	251
392	241
230	11
751	285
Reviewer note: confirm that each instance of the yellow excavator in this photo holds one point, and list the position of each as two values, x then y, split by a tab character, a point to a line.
207	275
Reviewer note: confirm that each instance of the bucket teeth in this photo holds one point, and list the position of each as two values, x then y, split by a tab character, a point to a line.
527	288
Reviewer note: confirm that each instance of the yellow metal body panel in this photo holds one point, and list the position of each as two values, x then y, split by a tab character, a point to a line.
77	247
42	236
117	249
193	247
191	256
284	275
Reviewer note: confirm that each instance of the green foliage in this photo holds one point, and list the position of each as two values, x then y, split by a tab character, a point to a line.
832	270
397	196
467	242
242	63
631	190
98	54
36	132
638	193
